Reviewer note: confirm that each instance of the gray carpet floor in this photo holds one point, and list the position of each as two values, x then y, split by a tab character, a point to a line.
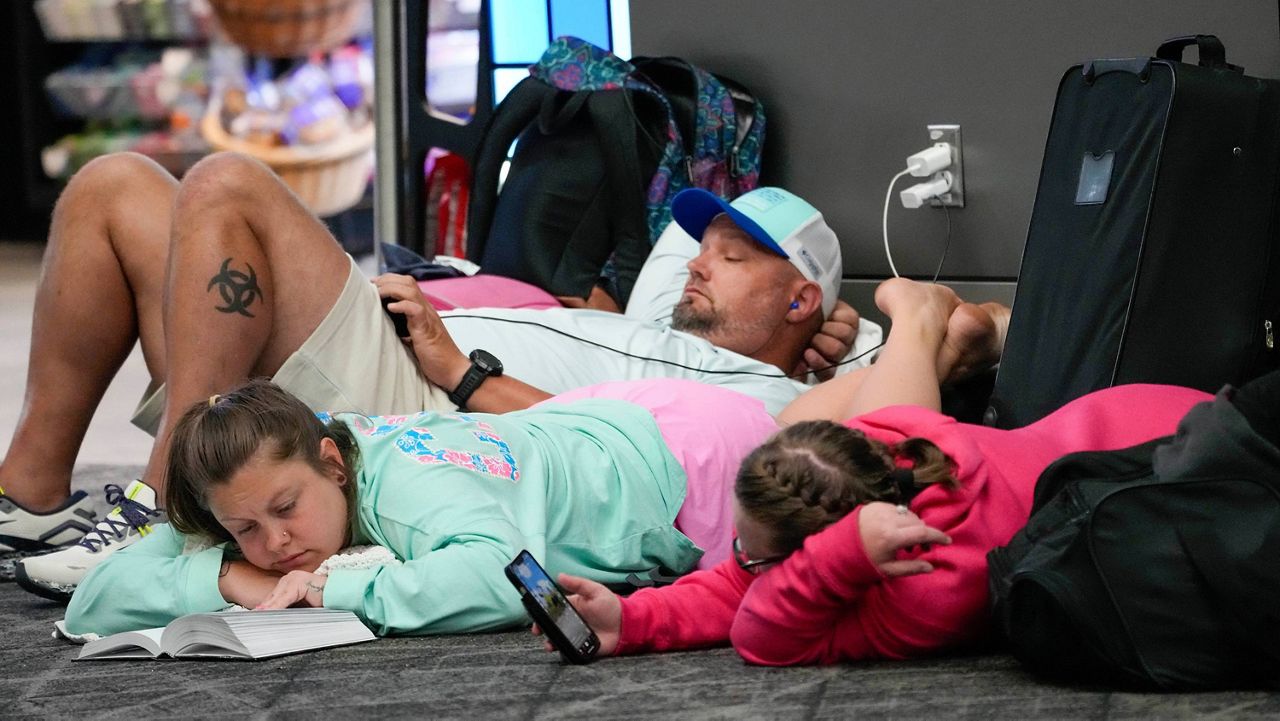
509	676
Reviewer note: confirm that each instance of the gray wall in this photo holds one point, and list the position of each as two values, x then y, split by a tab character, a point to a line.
849	86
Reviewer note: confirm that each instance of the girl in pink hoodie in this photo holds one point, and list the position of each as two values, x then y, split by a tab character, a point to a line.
868	538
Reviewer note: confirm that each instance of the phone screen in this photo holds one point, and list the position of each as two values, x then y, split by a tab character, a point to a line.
548	595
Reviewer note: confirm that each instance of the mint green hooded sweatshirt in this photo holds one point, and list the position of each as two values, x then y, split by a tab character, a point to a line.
589	488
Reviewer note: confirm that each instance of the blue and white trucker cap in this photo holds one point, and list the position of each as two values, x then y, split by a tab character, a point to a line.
778	220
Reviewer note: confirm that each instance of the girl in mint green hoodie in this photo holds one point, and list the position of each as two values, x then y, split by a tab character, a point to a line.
261	491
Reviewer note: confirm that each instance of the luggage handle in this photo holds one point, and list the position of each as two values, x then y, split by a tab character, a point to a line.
1137	66
1213	54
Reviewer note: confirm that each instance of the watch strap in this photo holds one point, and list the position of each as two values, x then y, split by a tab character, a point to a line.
471	380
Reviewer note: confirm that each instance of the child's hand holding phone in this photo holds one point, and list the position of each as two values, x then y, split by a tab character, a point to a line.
598	606
566	629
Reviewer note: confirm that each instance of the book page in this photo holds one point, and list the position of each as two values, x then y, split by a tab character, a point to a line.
203	635
262	634
236	635
130	644
275	633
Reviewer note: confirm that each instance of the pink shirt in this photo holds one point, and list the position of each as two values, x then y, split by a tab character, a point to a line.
827	602
709	430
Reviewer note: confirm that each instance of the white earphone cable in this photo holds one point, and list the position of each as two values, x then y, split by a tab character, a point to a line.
884	221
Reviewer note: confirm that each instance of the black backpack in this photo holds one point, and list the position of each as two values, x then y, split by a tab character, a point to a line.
1156	566
602	148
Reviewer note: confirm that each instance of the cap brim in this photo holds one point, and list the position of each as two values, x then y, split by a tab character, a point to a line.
694	209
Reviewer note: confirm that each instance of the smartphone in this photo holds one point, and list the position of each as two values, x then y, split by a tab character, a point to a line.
398	320
551	610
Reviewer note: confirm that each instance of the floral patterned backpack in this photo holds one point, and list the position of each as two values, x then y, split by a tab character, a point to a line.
602	146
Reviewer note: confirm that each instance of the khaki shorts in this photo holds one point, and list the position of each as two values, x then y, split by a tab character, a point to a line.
353	361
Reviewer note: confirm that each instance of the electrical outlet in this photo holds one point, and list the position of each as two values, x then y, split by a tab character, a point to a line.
950	134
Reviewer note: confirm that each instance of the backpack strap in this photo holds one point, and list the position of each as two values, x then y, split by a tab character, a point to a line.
693	92
614	117
516	111
555	115
744	110
678	82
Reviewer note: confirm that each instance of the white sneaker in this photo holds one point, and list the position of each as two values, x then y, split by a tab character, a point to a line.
26	531
55	575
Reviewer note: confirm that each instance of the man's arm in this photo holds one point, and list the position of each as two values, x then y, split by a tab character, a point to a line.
439	358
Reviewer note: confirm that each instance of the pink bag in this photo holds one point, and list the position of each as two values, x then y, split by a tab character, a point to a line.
485	291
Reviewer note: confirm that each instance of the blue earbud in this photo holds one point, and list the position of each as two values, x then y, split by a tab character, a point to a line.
795	304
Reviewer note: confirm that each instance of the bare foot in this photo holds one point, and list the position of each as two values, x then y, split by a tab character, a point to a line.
929	303
1000	314
974	340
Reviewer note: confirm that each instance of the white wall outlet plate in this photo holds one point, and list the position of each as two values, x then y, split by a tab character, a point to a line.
944	133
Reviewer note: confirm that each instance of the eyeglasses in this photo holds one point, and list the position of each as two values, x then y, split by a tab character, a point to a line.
748	564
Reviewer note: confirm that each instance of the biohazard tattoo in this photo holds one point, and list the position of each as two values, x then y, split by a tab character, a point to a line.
238	290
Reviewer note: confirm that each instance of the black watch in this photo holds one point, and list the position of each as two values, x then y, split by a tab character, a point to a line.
483	365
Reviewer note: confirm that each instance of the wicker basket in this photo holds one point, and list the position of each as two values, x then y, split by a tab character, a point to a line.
328	178
287	28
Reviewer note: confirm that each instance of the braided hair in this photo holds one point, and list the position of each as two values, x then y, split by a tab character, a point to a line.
811	474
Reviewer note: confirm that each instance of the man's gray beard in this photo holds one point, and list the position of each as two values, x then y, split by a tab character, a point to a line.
685	318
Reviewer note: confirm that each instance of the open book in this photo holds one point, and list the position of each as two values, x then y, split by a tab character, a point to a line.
235	634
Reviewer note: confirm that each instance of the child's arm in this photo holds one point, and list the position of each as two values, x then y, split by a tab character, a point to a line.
244	584
694	612
147	585
907	370
454	585
830	600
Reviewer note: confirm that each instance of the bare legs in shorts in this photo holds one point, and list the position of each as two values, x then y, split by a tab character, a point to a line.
219	278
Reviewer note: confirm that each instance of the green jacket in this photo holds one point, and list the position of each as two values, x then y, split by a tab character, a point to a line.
589	488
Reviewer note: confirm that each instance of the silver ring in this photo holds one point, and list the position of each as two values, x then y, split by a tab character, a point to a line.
902	510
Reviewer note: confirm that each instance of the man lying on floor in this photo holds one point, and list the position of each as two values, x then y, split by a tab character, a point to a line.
226	276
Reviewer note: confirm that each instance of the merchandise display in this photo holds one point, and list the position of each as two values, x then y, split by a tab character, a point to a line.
292	28
124	19
171	80
311	124
317	101
147	101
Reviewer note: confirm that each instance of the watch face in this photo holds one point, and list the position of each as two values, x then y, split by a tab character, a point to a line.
486	361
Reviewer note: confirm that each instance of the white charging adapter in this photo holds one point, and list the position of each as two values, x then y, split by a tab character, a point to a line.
930	160
916	195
